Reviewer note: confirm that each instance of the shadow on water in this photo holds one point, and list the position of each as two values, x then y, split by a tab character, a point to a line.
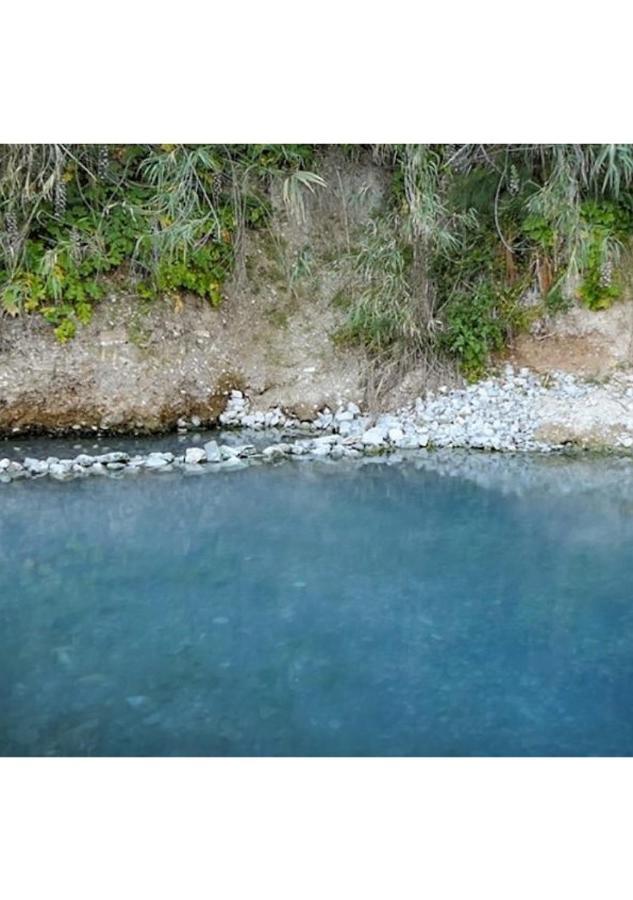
459	604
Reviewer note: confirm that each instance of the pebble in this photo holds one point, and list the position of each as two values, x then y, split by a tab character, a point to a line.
233	462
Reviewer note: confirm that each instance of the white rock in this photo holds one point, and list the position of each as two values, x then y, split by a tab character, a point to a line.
156	460
387	421
246	450
35	466
115	457
409	441
395	435
212	451
60	469
325	441
321	450
195	455
374	437
233	462
84	460
276	451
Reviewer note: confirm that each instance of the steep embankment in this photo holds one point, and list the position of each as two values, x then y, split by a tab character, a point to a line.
143	367
595	351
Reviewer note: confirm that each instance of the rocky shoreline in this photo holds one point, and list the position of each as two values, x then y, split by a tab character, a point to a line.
516	411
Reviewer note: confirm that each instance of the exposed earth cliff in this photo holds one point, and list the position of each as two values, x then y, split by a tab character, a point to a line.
151	366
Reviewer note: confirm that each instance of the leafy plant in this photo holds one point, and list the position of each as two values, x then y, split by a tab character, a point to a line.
482	224
473	330
164	218
440	273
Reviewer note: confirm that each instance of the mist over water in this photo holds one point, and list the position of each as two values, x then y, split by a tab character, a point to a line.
460	604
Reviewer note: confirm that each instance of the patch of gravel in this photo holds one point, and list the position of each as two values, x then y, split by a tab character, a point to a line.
516	411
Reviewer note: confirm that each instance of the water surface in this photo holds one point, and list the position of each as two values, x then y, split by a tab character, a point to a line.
466	604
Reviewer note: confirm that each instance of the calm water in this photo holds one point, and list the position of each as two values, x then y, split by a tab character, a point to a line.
465	605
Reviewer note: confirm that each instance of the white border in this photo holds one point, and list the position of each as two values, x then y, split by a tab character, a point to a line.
329	72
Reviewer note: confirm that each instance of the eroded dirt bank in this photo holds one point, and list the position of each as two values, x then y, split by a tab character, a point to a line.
127	372
142	372
142	368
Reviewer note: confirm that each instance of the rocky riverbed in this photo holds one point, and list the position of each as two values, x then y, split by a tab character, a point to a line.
516	411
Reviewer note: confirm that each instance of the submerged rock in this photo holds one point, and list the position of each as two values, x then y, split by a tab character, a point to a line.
276	451
36	466
246	450
157	460
114	457
212	452
513	412
61	469
84	460
195	455
233	462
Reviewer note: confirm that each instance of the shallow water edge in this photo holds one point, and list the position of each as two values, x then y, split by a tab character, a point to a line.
450	603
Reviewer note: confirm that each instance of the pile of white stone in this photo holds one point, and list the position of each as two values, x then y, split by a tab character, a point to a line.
503	413
117	463
237	414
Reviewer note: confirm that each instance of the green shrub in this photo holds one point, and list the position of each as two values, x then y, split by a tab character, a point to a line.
467	227
473	330
485	224
165	219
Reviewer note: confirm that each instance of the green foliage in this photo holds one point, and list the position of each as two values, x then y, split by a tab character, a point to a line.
485	224
539	231
594	292
477	308
469	229
164	219
607	224
385	312
474	329
556	301
201	272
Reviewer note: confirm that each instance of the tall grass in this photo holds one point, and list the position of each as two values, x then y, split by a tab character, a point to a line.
491	220
179	195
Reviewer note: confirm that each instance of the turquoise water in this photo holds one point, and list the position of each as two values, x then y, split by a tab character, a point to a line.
469	604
